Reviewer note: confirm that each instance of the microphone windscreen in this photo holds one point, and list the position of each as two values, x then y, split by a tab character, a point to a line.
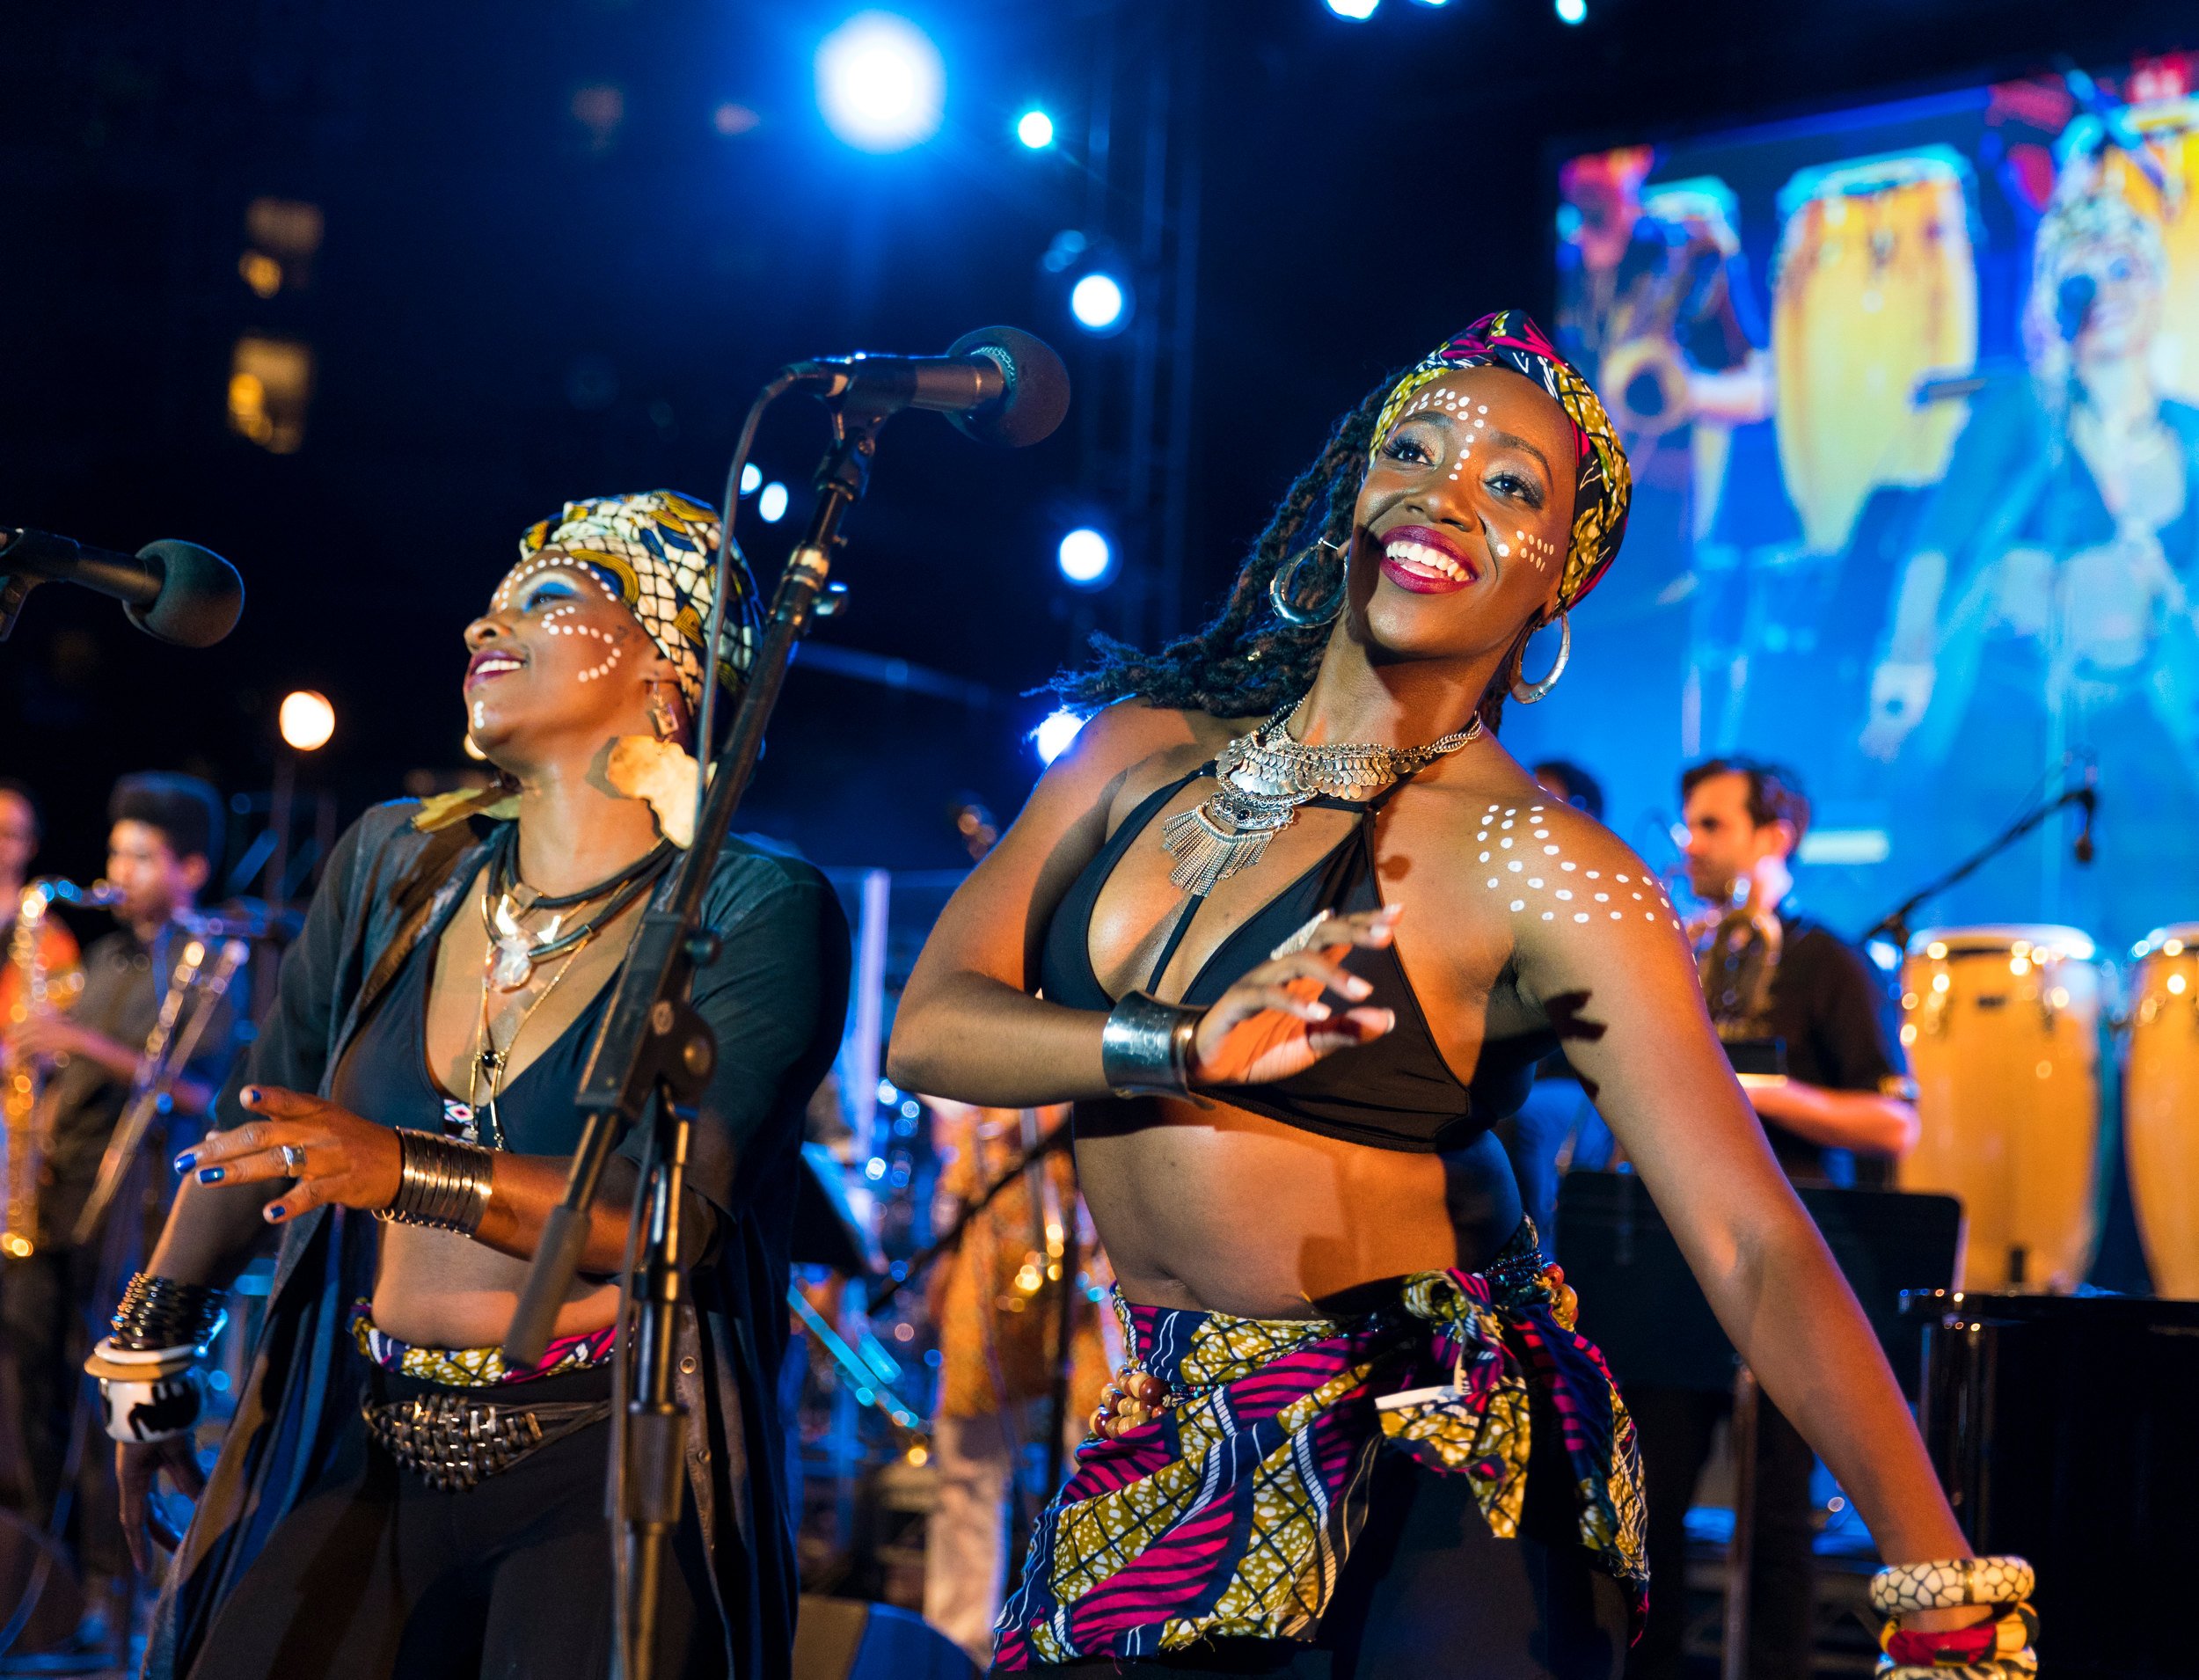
200	595
1038	387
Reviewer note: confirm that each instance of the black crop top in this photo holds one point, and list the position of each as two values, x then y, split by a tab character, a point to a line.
385	1074
1394	1092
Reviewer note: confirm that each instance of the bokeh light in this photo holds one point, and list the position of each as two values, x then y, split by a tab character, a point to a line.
770	502
306	720
1572	12
1085	555
1357	10
751	478
1098	302
1035	129
880	84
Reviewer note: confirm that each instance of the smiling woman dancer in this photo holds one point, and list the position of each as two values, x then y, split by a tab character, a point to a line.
391	1500
1359	1436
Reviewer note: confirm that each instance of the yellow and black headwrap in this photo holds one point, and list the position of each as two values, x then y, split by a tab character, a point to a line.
1603	484
658	552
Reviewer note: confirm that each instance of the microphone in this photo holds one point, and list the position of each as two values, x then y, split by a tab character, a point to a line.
177	592
2087	796
998	384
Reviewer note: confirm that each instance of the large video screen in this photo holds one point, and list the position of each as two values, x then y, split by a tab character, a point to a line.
1911	394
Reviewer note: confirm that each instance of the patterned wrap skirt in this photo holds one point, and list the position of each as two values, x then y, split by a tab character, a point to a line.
1232	1511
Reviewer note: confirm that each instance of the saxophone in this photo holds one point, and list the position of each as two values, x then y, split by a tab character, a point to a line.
1737	949
25	1120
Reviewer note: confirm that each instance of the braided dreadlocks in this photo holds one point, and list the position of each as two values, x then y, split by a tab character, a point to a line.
1247	661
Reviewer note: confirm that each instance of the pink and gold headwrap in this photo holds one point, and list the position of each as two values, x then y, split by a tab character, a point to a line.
1603	485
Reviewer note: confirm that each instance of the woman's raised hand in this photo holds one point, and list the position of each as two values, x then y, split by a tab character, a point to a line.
332	1154
1274	1022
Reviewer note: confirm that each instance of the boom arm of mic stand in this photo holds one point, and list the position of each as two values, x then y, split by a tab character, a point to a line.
1895	921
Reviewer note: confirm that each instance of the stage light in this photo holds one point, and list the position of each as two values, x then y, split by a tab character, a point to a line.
1053	736
1572	12
751	478
879	82
1357	10
1101	303
306	720
770	502
1086	557
1035	129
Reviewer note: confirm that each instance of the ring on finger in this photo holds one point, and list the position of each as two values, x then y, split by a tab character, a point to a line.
294	1159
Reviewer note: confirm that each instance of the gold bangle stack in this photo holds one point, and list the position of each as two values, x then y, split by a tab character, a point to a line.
445	1185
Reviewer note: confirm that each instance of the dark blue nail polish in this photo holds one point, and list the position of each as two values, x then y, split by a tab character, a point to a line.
211	1175
251	1093
185	1161
275	1213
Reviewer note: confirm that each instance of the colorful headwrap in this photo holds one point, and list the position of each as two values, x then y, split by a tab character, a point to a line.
1603	486
656	553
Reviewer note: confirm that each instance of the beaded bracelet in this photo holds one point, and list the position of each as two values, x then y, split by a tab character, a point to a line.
445	1184
159	1312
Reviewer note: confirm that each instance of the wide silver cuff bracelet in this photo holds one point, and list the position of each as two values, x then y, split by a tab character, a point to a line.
1145	1048
446	1184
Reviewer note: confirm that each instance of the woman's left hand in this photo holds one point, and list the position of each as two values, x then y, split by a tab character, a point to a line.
334	1155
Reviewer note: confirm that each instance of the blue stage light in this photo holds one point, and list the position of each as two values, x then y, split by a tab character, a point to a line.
1572	12
1101	303
1357	10
751	478
1035	129
770	502
879	82
1053	736
1085	557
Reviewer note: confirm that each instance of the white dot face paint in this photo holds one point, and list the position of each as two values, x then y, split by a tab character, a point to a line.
480	713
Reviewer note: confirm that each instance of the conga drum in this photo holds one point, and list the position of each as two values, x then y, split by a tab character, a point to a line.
2002	1027
2170	130
2160	1106
1874	289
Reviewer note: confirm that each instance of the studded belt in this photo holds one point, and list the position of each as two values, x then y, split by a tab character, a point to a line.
452	1444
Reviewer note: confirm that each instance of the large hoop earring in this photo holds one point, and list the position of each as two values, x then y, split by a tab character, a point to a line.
1283	588
1527	693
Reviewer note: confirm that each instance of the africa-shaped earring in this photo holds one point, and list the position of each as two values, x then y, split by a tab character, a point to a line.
1527	693
659	771
1283	588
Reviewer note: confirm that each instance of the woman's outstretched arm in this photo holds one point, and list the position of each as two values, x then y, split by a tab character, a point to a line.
1622	991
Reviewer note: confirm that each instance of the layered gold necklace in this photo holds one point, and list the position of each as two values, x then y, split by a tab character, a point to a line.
1263	777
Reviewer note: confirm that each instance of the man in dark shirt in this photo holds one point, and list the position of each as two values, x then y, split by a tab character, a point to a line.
161	850
1839	1089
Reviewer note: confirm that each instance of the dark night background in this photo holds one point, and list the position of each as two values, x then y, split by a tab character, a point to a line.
510	308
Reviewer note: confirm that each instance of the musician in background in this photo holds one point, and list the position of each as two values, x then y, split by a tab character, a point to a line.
1563	779
162	849
1769	974
998	1320
22	827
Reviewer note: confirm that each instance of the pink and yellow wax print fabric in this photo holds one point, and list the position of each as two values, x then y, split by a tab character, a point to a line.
1603	484
657	552
1232	1512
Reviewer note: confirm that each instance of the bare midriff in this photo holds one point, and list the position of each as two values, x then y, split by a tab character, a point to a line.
1222	1211
436	1288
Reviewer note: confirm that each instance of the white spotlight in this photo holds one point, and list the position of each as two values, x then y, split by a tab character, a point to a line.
1098	302
1084	556
1572	12
306	720
1357	10
1035	129
751	478
1053	736
770	502
879	82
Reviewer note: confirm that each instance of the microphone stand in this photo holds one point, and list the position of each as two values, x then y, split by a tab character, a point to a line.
652	1043
1895	924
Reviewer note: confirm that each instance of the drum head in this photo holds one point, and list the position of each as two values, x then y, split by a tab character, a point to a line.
1999	938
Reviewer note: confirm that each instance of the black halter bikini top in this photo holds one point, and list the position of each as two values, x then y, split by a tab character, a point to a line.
1394	1092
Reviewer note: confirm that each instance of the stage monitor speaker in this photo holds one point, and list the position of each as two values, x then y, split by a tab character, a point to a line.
846	1638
